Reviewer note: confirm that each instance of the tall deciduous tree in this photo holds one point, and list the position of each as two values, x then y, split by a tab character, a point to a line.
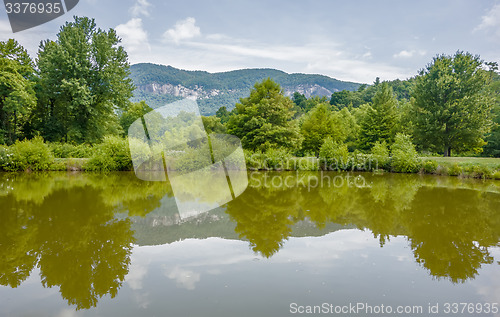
493	139
321	122
317	125
17	96
84	79
452	108
380	120
264	119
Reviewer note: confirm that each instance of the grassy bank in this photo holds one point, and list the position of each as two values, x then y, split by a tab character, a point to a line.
113	155
36	155
380	161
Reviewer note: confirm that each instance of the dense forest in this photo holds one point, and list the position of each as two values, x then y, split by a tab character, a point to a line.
78	92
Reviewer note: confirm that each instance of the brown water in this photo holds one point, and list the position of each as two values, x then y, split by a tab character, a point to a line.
112	245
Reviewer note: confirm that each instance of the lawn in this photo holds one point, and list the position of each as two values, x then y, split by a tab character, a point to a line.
493	163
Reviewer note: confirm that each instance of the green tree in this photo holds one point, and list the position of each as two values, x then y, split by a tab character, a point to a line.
452	109
83	80
321	122
223	114
404	155
17	96
346	98
213	124
264	119
380	120
316	126
299	99
133	112
492	147
334	155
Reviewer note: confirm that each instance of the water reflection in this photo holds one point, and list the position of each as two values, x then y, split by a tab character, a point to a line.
449	223
66	226
78	229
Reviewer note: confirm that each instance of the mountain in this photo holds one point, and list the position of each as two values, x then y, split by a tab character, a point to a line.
159	85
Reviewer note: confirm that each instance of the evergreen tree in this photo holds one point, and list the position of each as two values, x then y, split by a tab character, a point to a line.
223	114
380	119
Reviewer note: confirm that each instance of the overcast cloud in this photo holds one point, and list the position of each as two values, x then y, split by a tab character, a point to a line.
348	40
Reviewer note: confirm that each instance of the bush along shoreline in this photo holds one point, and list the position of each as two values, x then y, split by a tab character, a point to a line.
113	155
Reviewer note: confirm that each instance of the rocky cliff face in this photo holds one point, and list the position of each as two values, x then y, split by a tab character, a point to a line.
197	92
159	85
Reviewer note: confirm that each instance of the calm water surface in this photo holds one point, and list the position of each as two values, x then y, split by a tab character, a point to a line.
112	245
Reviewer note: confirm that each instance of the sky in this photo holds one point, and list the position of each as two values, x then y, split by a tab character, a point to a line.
348	40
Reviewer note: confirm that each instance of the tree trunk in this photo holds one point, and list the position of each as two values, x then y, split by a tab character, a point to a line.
447	151
15	124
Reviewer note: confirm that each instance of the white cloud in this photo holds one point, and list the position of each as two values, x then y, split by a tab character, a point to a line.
367	55
133	35
67	312
408	54
184	29
140	8
491	21
217	37
186	279
312	58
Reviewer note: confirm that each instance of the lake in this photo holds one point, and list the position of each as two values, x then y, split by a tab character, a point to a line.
294	243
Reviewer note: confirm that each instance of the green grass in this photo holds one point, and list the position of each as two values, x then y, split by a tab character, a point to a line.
493	163
475	167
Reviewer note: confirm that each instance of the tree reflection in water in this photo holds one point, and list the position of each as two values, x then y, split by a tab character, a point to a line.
67	225
449	223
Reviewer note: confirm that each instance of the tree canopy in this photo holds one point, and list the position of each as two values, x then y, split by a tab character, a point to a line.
264	119
83	80
379	121
17	96
452	109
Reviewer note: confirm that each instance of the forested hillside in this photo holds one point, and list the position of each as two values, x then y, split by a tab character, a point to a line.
158	85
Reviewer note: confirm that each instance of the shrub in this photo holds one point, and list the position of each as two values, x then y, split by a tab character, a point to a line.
477	171
303	164
429	167
67	150
58	165
455	170
442	170
28	155
5	157
276	158
190	159
362	162
381	156
404	155
495	175
111	155
334	155
254	160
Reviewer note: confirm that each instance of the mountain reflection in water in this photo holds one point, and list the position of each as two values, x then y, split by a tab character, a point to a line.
80	230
